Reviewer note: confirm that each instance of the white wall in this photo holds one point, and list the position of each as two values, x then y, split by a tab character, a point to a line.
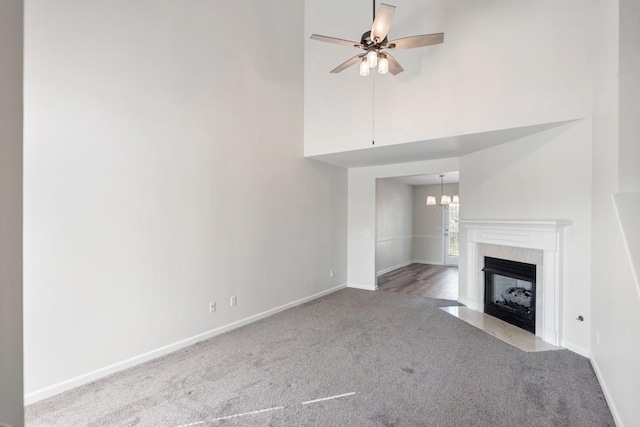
615	300
11	49
629	151
428	237
544	176
164	170
502	65
361	252
394	224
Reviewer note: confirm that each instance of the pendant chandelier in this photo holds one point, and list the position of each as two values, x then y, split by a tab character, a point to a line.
444	199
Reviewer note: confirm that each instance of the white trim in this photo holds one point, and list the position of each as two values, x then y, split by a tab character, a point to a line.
395	267
69	384
364	287
395	238
414	236
463	301
582	351
607	394
518	223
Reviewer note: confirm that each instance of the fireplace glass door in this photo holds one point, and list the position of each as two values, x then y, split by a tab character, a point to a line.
510	288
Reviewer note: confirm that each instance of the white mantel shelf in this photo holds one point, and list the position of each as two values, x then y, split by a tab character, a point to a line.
519	221
525	223
523	234
545	235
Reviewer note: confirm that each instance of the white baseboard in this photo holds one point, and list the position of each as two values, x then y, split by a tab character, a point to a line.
422	261
69	384
463	302
607	395
365	287
576	348
395	267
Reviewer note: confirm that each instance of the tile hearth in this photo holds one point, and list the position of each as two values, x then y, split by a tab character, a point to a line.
504	331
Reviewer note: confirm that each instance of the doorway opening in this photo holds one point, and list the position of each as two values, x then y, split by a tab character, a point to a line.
417	241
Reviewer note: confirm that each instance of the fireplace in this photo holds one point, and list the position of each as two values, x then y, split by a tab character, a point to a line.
519	240
510	292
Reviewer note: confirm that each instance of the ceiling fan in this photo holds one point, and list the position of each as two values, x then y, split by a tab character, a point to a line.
375	42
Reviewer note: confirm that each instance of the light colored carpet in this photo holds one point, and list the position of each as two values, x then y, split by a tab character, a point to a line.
407	362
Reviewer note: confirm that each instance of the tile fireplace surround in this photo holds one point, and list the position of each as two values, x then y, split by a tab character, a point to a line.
521	241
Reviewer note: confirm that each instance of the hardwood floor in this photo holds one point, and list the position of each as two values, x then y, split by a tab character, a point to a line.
431	281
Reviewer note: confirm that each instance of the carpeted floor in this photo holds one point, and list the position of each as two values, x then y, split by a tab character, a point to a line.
383	359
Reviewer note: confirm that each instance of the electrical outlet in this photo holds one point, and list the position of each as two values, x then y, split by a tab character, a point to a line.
233	301
331	273
212	306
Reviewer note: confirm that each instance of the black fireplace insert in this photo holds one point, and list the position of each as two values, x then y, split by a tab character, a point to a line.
510	292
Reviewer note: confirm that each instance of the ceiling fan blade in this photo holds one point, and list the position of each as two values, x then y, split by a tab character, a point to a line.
382	23
348	63
416	41
394	65
335	40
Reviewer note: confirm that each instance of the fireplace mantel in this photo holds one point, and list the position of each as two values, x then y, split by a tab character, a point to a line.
546	236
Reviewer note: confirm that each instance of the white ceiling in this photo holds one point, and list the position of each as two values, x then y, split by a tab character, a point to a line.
449	178
440	148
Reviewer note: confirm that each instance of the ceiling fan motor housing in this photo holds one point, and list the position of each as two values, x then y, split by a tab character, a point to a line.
367	42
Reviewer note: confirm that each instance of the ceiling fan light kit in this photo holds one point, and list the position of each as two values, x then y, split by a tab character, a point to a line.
375	41
372	59
383	65
364	68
